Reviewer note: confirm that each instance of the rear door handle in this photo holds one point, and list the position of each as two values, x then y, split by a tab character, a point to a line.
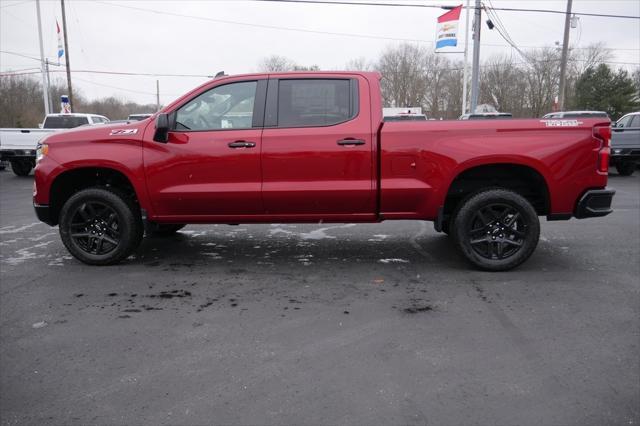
350	141
241	144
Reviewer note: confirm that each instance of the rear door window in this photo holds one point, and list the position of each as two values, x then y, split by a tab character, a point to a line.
316	102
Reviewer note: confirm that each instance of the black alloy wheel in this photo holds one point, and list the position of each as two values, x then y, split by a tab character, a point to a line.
495	229
95	228
100	225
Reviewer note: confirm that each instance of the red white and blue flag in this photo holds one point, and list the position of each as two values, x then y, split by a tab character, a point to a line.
447	33
60	48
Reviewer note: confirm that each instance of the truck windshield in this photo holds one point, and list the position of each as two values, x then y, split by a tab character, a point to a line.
64	122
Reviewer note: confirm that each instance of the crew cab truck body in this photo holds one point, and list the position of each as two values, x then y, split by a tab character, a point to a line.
310	147
18	146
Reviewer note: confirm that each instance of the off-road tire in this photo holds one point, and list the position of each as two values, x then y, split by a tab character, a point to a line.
481	235
21	167
625	169
123	225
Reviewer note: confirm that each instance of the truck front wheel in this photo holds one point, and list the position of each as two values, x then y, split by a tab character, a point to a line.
100	226
21	167
626	168
496	230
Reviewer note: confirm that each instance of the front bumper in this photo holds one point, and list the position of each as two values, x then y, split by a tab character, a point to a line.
595	203
43	213
17	154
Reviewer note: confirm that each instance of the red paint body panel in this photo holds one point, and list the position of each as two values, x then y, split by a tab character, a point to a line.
566	157
402	171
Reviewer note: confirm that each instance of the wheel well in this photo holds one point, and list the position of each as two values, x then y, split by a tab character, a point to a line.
521	179
68	183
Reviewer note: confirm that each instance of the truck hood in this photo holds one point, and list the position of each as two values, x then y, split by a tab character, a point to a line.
102	132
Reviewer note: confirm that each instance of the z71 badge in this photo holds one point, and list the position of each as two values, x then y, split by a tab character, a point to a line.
561	123
122	132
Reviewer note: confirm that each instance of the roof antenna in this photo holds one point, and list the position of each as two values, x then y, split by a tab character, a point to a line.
220	74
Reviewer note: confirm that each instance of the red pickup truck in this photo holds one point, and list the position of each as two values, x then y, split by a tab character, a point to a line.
311	147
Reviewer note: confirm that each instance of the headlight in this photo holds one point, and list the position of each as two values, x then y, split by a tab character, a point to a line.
41	150
617	151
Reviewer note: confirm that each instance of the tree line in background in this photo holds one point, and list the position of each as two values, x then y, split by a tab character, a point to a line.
523	84
21	103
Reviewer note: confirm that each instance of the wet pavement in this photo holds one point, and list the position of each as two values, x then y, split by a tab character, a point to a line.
320	324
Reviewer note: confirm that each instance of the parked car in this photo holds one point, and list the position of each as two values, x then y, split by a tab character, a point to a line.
18	146
576	114
138	117
625	143
312	147
485	116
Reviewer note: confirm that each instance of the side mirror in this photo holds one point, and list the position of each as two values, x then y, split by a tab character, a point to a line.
162	128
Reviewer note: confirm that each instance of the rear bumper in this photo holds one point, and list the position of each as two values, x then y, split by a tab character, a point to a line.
624	155
43	213
595	203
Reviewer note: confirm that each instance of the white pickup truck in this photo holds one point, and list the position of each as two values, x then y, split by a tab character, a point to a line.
18	146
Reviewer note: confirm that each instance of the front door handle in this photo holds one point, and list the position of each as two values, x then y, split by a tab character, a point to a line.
241	144
350	141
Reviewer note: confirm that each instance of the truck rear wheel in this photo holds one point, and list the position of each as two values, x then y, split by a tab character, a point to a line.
100	226
496	230
626	168
21	167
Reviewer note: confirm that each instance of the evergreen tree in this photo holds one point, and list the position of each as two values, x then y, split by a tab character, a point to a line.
602	89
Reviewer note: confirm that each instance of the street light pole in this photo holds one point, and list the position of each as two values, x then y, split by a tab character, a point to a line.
45	87
475	72
466	68
563	61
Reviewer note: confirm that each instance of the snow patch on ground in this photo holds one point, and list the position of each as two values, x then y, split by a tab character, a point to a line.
386	261
320	234
13	230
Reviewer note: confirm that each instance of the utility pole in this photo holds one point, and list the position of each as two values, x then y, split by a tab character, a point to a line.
465	73
157	95
45	87
46	61
475	72
563	61
66	54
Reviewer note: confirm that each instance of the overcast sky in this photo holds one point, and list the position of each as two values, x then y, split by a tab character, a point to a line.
119	36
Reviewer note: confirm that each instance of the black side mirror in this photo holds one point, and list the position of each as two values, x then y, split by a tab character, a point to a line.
162	128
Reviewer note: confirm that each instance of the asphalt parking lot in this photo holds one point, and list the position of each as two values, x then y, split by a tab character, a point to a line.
320	324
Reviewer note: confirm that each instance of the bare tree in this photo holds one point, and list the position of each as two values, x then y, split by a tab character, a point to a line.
276	63
359	64
542	74
403	76
503	84
21	102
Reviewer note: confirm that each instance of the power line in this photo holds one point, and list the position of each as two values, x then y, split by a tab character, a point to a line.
304	30
272	27
507	9
14	4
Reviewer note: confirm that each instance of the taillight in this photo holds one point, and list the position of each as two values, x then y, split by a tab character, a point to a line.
603	133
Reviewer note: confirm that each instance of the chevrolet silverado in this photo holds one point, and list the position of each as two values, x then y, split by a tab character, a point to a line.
310	147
